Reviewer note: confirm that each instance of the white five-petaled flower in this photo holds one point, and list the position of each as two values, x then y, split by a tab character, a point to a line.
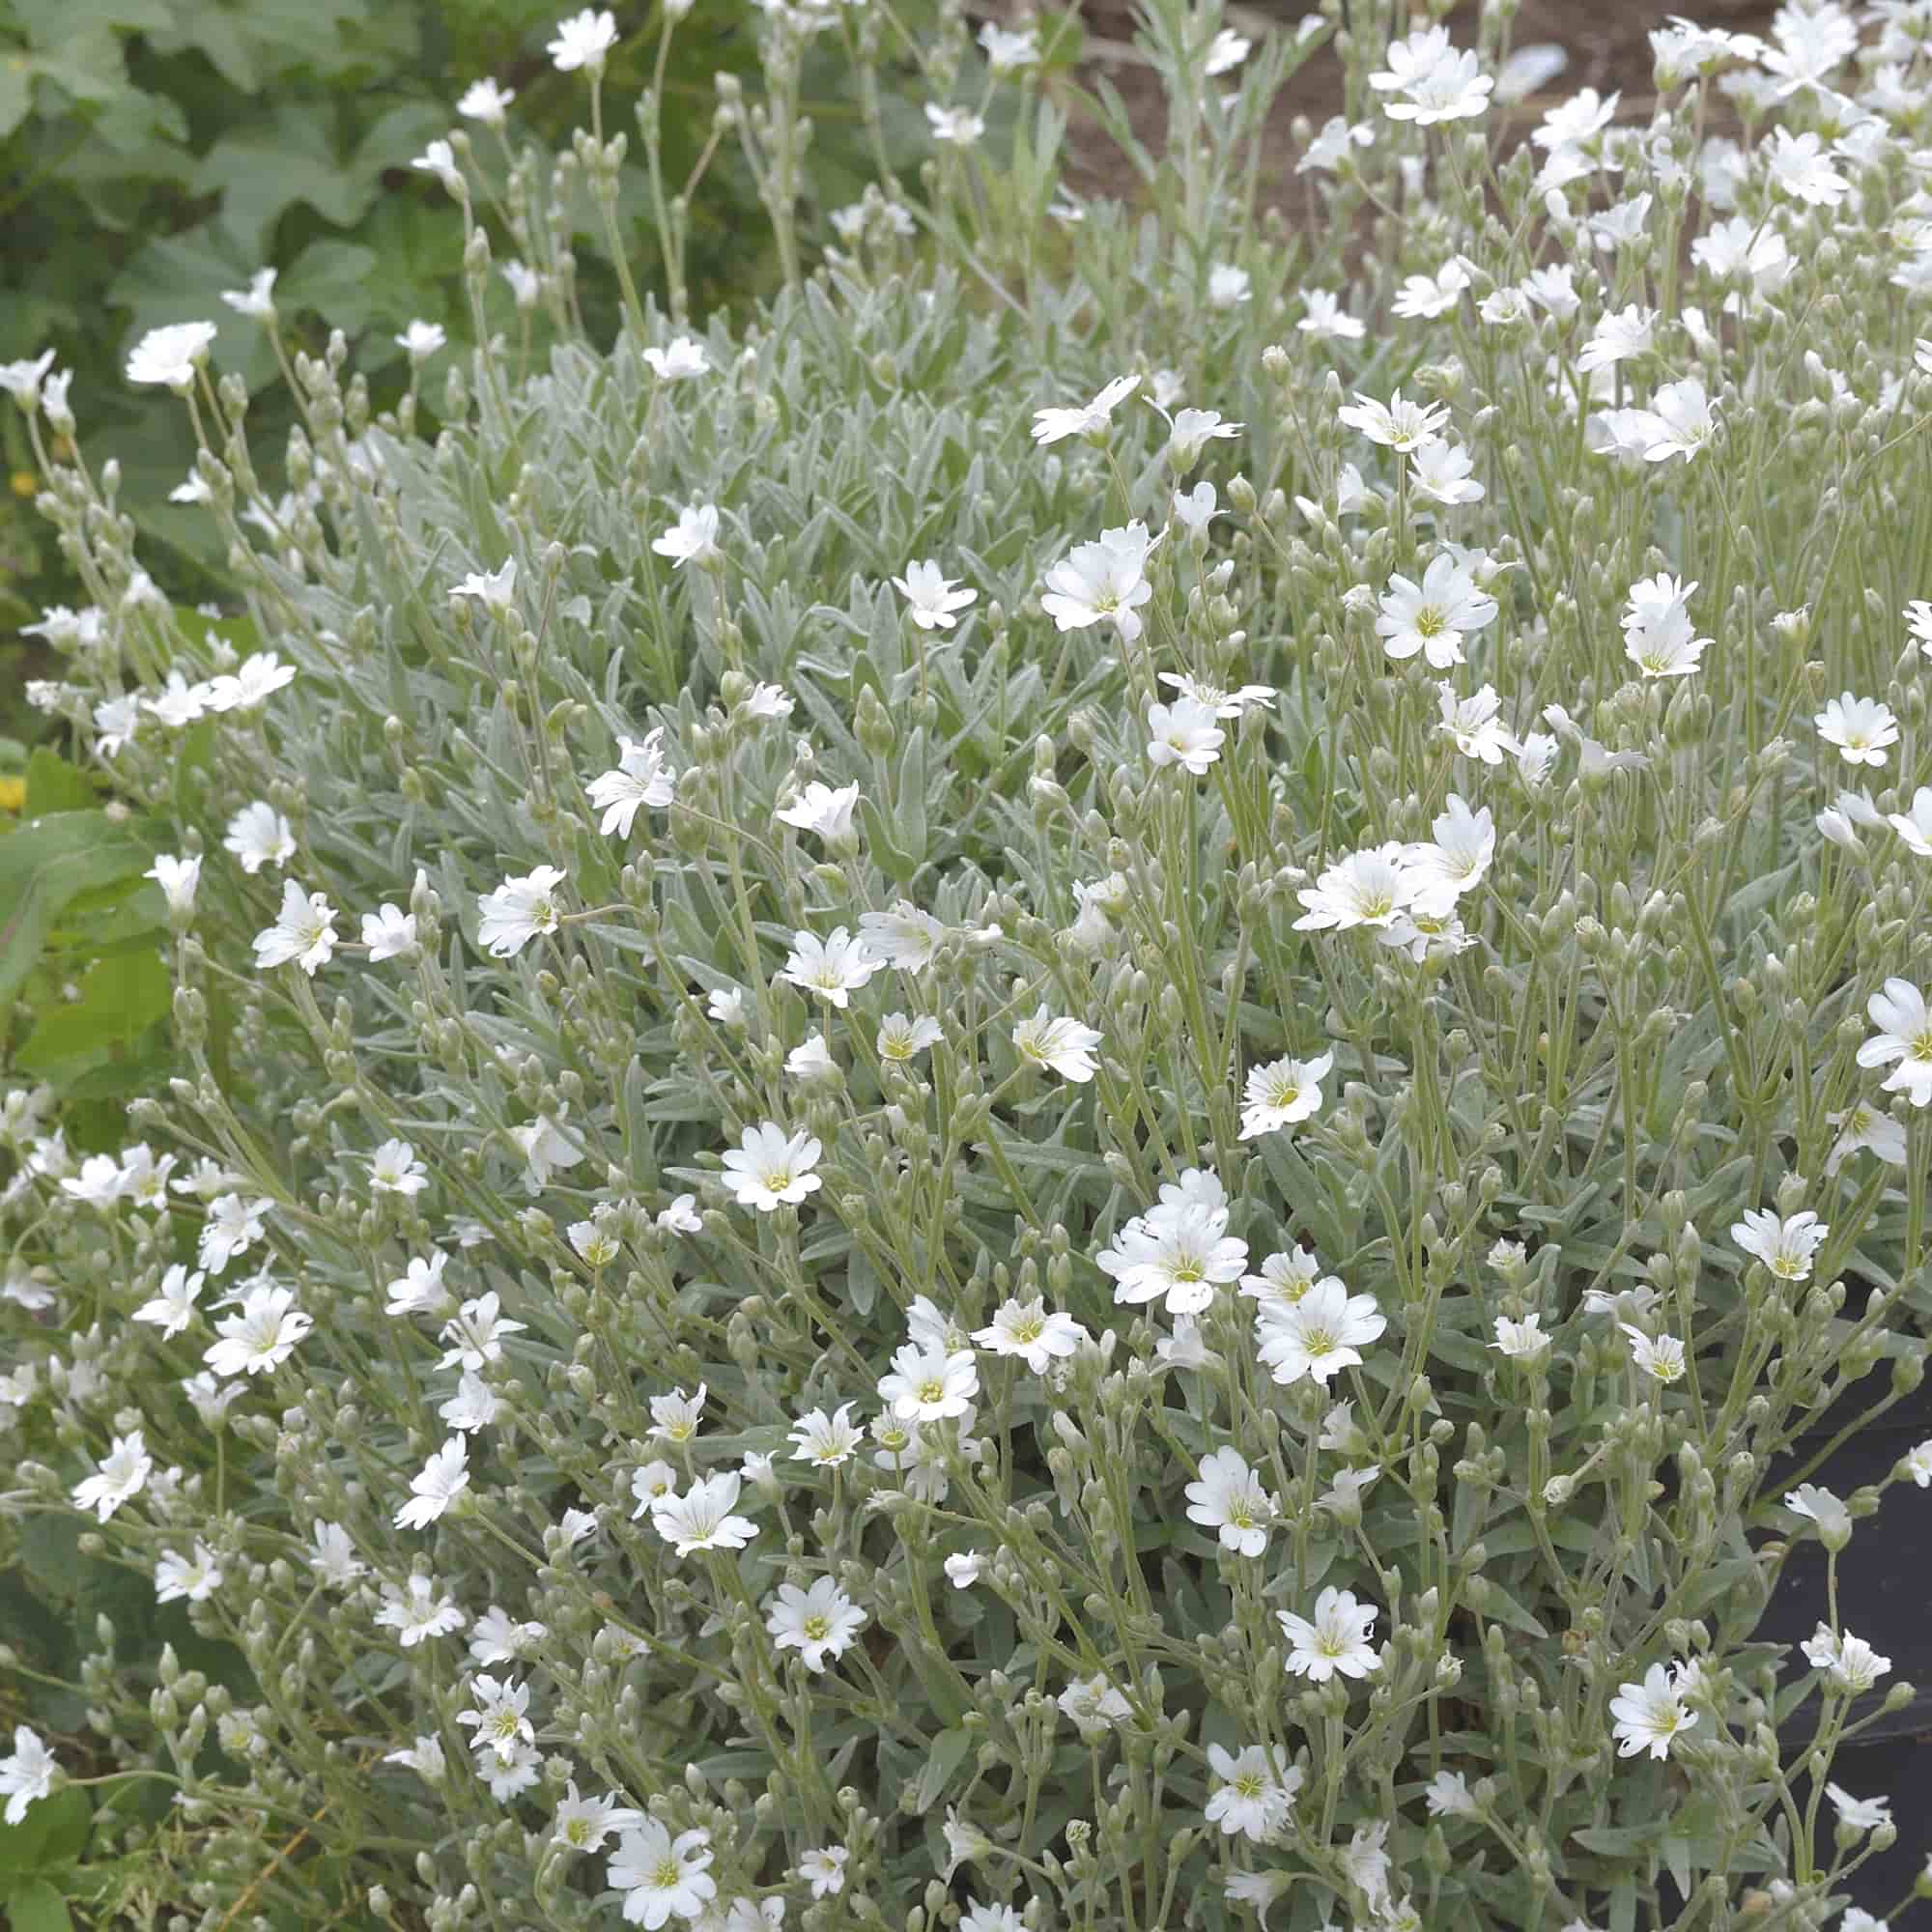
901	1038
1282	1093
1053	425
260	1335
769	1167
173	1308
1319	1335
639	778
933	598
661	1876
258	836
192	1578
1661	1357
1103	582
823	1868
1851	1662
692	538
518	911
390	933
1522	1340
1026	1330
827	1441
178	878
1366	888
1433	617
1335	1641
954	127
1863	729
1398	425
685	358
1652	1715
833	967
303	933
1063	1045
170	355
582	1824
702	1518
930	1384
1784	1246
496	589
1183	733
582	42
123	1472
1904	1035
421	340
1429	80
1178	1252
1229	1498
443	1478
816	1622
485	101
27	1774
394	1169
1253	1790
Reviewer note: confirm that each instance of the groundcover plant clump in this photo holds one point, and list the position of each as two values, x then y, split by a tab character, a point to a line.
1042	1096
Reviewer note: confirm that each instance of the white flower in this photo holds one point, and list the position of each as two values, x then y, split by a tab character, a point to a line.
1441	472
812	1061
1861	728
681	1217
303	933
1679	421
1433	617
767	1167
1335	1641
930	1384
1228	50
702	1518
1252	1791
394	1169
1054	425
174	1307
1184	734
582	1824
1473	723
826	1440
1425	298
415	1612
1319	1335
1784	1246
823	809
1330	148
674	1416
1025	1328
258	836
932	597
1102	582
421	340
122	1473
260	677
1797	165
518	911
1229	1500
178	879
954	127
439	158
1652	1715
661	1876
1227	286
1179	1253
1522	1340
1448	1796
902	1038
1282	1093
1458	857
823	1868
1904	1035
234	1225
485	101
1432	80
726	1006
1007	52
685	358
1063	1045
1861	1814
476	1333
1327	320
1398	425
22	379
390	933
1662	1359
1368	887
1094	1705
495	588
1862	1128
179	702
693	539
905	937
171	355
641	777
261	1335
27	1774
816	1622
421	1291
582	41
444	1476
962	1571
1852	1664
834	968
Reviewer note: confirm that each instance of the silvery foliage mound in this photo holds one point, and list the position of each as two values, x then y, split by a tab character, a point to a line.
1113	1251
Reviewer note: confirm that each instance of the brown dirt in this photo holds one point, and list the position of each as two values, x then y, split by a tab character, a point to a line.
1607	42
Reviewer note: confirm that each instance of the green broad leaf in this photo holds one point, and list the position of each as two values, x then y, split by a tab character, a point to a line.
17	91
949	1752
55	786
330	278
50	1835
37	1906
120	996
46	865
263	171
